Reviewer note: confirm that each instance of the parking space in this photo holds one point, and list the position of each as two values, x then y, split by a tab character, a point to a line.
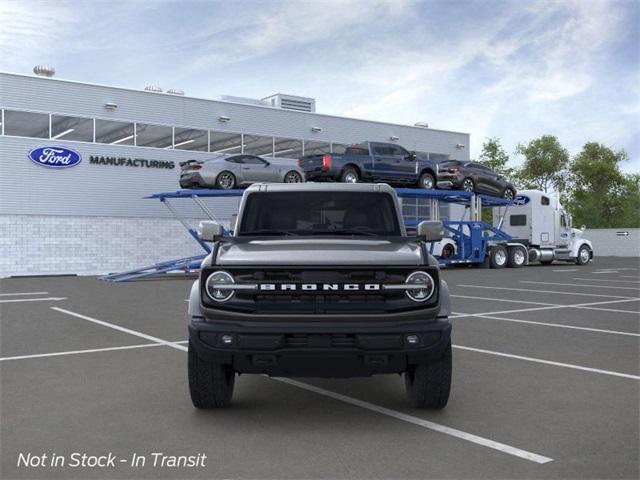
546	385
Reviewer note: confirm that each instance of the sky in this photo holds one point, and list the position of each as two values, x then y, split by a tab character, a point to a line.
509	69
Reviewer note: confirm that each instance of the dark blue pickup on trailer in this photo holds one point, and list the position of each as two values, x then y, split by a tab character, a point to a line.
372	162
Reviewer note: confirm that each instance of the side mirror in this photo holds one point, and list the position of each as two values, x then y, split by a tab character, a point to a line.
412	155
583	228
430	231
210	231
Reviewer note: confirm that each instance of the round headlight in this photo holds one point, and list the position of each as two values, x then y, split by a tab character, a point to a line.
219	286
425	286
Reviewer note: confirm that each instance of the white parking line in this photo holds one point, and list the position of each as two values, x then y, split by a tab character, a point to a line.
121	329
20	300
549	362
392	413
605	272
485	442
581	285
23	293
552	306
567	270
526	302
604	280
628	276
92	350
528	290
545	324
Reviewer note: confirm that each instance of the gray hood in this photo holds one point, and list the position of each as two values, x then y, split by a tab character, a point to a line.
320	251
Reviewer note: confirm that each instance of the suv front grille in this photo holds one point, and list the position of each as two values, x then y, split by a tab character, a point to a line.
320	300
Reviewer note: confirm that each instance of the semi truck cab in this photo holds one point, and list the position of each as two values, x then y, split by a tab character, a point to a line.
538	221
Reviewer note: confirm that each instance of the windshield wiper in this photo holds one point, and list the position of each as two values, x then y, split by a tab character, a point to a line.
269	231
352	231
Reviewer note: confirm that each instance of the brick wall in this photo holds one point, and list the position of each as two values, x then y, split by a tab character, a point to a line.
44	245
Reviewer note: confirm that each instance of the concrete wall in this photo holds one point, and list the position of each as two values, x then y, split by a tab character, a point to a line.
609	241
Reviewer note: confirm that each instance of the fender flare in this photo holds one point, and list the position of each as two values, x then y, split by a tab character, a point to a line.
578	244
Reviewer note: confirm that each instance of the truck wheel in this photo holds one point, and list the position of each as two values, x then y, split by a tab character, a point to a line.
499	257
427	181
210	384
584	255
517	257
349	175
428	384
226	180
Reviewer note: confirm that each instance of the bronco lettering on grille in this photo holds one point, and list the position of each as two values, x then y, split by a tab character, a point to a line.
319	286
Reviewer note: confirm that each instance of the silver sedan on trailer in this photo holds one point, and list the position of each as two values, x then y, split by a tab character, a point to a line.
232	171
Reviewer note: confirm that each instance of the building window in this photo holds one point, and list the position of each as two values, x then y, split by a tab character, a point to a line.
225	143
157	136
315	148
26	124
71	128
287	148
258	145
190	139
114	133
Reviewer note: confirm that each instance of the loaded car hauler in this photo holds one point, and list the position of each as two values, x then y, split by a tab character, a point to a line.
319	280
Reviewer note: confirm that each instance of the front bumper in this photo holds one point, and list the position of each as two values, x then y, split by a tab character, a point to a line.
319	349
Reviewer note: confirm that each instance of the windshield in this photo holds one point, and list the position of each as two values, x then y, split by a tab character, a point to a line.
319	213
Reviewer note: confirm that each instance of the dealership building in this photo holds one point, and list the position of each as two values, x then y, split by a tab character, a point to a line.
93	217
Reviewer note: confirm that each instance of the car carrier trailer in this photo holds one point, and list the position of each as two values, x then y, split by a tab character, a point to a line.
469	241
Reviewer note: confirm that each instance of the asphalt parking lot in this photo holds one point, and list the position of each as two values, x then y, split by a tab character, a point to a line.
545	385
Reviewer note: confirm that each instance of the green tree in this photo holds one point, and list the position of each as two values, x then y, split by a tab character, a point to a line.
600	195
545	164
494	156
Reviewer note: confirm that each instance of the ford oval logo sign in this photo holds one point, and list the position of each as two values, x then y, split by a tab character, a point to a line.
55	157
521	200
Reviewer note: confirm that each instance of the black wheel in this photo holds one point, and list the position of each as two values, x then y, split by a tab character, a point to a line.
210	384
447	251
293	177
349	175
226	180
427	181
509	194
498	257
468	185
517	257
584	255
428	384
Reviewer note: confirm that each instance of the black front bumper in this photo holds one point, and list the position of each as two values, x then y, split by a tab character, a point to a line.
319	349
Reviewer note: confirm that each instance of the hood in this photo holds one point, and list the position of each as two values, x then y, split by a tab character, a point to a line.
315	251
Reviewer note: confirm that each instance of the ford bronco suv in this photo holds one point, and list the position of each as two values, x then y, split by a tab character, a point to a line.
319	280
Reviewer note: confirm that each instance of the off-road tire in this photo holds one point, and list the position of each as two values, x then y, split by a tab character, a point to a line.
210	383
428	384
425	178
349	173
499	257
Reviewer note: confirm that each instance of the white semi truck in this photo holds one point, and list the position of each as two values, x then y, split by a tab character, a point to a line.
539	222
